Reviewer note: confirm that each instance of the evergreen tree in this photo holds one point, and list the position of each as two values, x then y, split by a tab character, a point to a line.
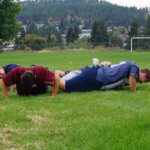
32	29
94	33
148	22
62	26
133	32
99	33
22	32
103	29
59	39
50	39
44	30
71	35
9	26
77	30
134	28
146	30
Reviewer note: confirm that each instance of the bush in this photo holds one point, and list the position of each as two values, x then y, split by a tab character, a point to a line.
34	42
27	48
80	43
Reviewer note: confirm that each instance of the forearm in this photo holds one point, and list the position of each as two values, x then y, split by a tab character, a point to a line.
4	89
59	73
132	82
12	88
56	86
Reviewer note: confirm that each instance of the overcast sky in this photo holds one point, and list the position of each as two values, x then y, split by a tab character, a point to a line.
136	3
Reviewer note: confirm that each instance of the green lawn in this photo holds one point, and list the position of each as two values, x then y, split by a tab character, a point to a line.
97	120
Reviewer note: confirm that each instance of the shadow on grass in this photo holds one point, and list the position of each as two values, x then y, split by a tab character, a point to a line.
14	96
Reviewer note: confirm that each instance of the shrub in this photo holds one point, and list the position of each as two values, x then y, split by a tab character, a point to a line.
34	42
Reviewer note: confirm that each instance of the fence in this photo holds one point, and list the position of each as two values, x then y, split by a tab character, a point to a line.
138	44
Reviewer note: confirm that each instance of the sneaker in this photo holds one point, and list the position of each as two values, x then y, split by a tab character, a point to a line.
95	63
105	64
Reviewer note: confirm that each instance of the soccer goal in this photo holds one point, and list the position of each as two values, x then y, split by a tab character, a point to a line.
135	38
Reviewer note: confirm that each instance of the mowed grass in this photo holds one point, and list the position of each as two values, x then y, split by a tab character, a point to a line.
97	120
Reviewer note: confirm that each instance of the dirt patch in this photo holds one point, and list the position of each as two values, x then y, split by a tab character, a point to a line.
45	51
8	130
112	92
65	112
38	145
60	130
35	119
45	112
4	134
3	108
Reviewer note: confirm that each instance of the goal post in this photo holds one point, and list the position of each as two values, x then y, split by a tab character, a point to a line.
135	38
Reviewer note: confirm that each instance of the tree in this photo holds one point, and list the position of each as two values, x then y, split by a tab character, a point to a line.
117	39
77	30
122	29
146	32
71	35
134	28
59	39
104	36
34	42
32	29
44	31
50	39
62	26
18	39
9	25
22	33
94	33
99	33
133	32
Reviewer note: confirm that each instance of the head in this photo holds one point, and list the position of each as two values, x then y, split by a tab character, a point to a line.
2	72
144	75
28	79
67	71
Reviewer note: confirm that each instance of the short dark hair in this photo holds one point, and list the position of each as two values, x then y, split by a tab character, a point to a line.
28	79
147	72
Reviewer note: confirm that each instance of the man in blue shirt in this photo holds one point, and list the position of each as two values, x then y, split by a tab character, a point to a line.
6	69
96	78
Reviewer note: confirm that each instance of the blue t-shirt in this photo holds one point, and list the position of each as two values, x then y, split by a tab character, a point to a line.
117	72
9	68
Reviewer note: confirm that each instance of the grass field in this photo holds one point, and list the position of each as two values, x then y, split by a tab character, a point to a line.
98	120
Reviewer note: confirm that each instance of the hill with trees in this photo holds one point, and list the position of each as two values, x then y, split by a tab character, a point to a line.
79	12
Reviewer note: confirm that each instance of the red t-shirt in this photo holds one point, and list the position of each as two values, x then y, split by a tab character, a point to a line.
41	74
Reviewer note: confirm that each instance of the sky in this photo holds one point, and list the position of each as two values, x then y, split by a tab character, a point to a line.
130	3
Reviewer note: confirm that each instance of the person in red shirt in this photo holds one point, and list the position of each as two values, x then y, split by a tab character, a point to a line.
30	81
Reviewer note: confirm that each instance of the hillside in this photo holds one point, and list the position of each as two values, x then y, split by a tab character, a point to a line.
79	11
